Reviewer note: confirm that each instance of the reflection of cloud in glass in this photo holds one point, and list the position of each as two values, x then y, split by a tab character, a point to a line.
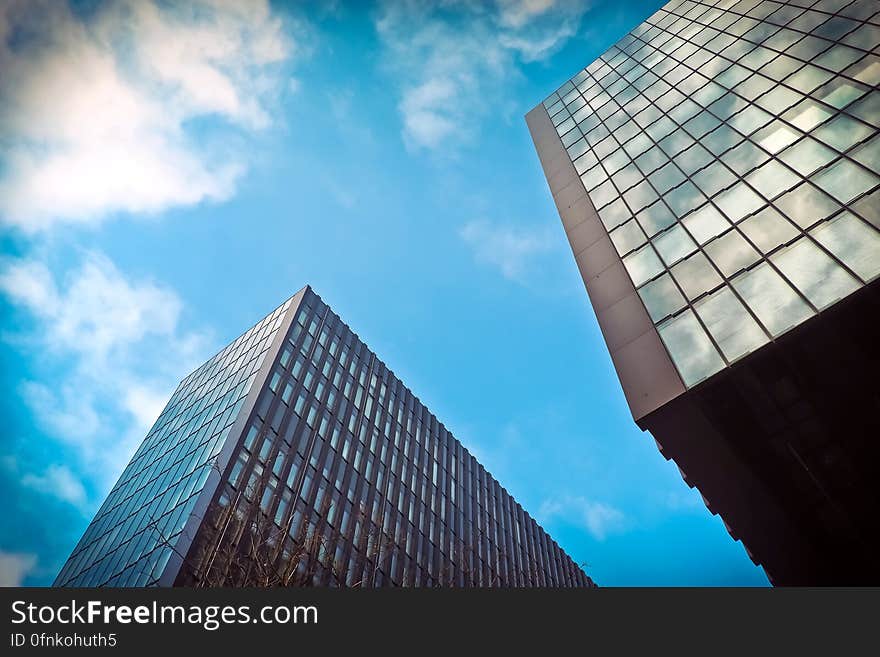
814	273
771	298
692	352
853	241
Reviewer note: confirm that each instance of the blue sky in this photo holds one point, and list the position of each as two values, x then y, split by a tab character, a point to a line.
167	178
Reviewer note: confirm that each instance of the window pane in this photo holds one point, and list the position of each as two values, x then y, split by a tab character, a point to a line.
666	177
693	158
772	179
714	178
701	124
651	159
616	161
814	273
775	137
808	78
779	99
584	163
690	348
685	198
869	154
842	132
674	244
614	214
655	218
696	275
867	109
662	297
744	158
807	115
853	241
728	321
807	155
805	205
738	201
640	196
706	223
627	177
750	119
643	265
593	176
603	193
840	92
773	300
845	180
731	252
627	237
768	229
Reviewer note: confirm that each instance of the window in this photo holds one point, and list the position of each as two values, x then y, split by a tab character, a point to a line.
853	241
655	218
714	178
772	179
807	114
666	177
662	298
869	154
814	273
772	300
705	223
840	92
842	132
738	201
845	180
744	157
674	244
776	136
805	205
807	156
734	329
731	253
640	196
627	237
768	229
685	198
696	275
690	348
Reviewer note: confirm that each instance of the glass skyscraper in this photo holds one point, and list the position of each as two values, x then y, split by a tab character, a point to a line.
296	457
717	174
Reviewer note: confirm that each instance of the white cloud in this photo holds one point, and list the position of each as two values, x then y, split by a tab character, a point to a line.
60	482
118	347
68	412
509	249
452	59
516	13
95	311
598	518
15	566
428	112
97	111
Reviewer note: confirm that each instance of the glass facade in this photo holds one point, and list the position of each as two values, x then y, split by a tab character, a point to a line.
732	152
131	538
335	475
344	478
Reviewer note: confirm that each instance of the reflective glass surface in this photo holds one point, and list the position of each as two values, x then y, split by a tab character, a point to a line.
131	537
744	137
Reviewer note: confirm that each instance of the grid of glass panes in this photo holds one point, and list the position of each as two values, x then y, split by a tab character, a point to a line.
129	541
731	150
339	448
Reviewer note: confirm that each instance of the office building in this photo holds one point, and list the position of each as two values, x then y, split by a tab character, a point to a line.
296	457
716	172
